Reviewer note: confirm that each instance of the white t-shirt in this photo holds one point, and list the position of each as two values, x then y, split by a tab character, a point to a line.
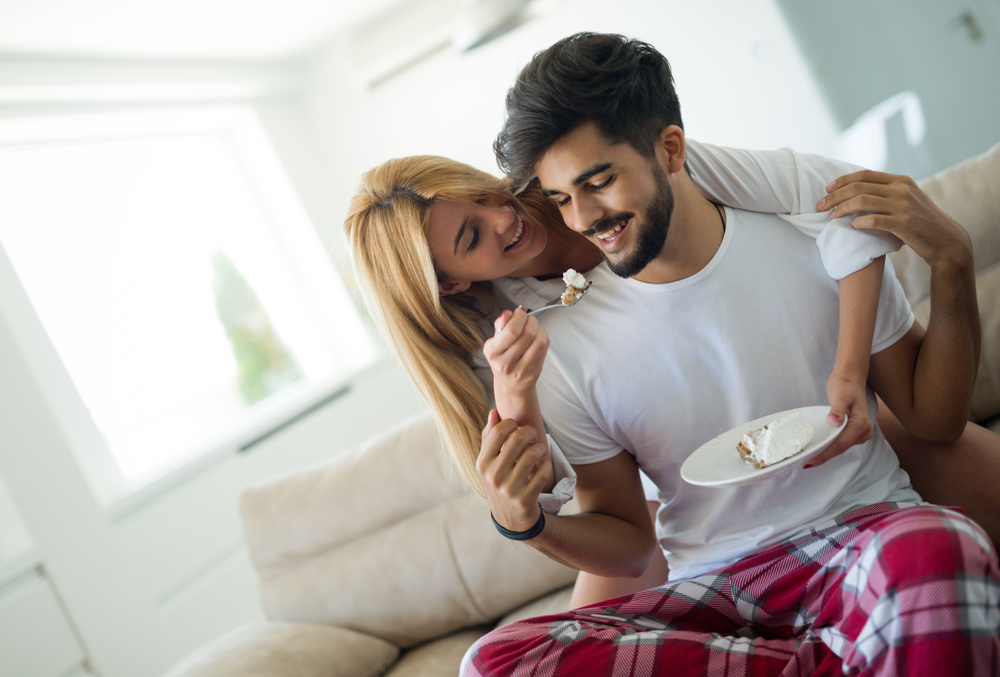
659	369
782	182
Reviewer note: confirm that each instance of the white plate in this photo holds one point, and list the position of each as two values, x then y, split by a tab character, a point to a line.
717	463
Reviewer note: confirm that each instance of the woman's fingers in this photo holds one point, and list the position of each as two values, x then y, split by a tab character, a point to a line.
530	362
502	320
508	357
857	431
508	328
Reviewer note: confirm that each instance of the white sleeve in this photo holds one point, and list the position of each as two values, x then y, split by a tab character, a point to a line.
565	476
788	184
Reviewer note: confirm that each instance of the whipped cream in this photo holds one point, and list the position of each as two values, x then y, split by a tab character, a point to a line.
776	441
574	279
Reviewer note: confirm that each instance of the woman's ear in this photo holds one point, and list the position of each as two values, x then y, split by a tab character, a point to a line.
452	287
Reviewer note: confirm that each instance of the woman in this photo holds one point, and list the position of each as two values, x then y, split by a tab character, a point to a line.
435	289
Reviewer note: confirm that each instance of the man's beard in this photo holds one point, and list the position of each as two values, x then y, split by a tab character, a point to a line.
651	235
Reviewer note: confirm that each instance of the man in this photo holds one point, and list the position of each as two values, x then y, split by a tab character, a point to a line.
722	317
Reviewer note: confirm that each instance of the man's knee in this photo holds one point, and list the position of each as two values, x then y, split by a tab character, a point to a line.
500	651
925	543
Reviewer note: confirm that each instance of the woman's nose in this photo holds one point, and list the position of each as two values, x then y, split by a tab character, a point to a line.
502	218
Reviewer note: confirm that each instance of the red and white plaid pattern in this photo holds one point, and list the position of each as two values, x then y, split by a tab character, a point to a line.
883	590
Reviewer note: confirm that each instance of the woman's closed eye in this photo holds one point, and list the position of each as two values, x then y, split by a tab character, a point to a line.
475	239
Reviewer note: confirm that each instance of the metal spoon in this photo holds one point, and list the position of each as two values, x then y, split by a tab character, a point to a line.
560	304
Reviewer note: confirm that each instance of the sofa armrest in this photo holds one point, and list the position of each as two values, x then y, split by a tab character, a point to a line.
275	649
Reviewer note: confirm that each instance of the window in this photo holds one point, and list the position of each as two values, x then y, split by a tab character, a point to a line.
176	276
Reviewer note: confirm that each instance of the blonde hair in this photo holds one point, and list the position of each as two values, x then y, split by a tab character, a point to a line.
431	335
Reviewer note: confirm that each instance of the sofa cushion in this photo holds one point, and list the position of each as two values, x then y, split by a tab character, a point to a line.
282	649
410	557
439	658
553	603
967	192
993	425
986	395
292	517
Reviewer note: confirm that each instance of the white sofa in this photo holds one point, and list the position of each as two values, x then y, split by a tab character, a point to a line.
375	562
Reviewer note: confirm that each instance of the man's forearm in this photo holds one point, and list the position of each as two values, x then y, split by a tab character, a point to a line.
598	544
946	366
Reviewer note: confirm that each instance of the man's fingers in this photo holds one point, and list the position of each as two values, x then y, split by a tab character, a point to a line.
517	460
874	222
848	191
491	420
527	462
495	434
866	202
543	472
863	176
515	444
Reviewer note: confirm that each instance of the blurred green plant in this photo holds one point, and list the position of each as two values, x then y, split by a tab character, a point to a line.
265	363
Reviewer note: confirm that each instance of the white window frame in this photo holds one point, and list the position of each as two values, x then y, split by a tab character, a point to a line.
312	267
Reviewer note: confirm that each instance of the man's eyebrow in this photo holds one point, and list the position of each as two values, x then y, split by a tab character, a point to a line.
461	231
587	173
591	171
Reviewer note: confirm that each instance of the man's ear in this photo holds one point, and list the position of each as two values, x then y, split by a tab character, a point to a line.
452	287
671	149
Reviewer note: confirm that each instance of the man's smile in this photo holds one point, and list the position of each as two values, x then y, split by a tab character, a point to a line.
609	234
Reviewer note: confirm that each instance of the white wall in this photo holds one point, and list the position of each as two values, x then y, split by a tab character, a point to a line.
172	558
741	79
945	51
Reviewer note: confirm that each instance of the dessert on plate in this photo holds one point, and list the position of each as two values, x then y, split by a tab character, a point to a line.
776	441
576	284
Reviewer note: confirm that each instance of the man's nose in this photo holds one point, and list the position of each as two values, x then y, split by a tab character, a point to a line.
585	213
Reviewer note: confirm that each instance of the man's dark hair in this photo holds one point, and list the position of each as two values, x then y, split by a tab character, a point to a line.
623	86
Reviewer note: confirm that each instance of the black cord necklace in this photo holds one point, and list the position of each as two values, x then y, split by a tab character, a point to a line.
721	217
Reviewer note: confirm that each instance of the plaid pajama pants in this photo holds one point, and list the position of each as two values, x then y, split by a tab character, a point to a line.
883	590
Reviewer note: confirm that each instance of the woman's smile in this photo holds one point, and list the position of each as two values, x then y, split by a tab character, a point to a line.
523	227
